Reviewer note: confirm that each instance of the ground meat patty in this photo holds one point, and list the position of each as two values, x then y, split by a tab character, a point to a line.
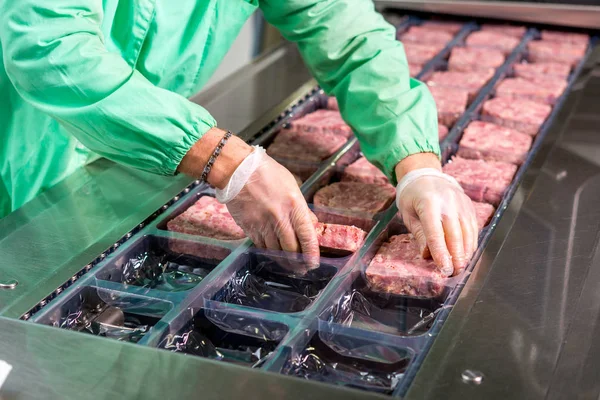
566	37
414	69
324	121
542	69
339	238
207	217
451	103
291	144
483	181
200	250
398	268
425	35
442	132
510	30
526	116
484	213
450	27
547	50
356	196
491	142
421	53
542	90
363	171
467	59
505	43
332	104
470	81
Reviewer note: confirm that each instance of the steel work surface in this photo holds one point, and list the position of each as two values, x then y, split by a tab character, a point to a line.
526	318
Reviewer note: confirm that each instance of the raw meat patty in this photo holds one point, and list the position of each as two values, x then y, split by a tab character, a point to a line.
414	69
484	213
291	144
450	27
356	196
421	53
547	50
483	181
472	81
491	142
333	237
425	35
542	69
542	90
442	131
451	103
362	170
566	37
398	268
526	116
207	217
467	59
500	41
510	30
328	121
332	104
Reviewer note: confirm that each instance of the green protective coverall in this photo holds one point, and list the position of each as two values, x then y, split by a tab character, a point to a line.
88	78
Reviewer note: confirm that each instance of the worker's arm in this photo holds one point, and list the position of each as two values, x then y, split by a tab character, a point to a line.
55	56
353	53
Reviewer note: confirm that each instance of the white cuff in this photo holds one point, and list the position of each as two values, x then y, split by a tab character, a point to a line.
240	176
5	369
420	173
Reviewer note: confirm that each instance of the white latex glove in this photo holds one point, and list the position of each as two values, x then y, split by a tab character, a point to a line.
265	201
442	218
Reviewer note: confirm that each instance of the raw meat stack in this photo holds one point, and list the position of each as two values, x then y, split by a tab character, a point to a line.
423	42
209	218
310	140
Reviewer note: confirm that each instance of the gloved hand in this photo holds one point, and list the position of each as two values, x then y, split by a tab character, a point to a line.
265	201
442	218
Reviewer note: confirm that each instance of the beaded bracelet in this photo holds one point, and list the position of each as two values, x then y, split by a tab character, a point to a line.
214	156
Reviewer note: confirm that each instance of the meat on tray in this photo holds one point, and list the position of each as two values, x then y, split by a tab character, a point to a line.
471	81
526	116
547	50
484	212
451	103
467	59
332	104
491	142
326	121
417	53
336	238
207	217
355	196
542	89
496	40
510	30
450	27
442	131
482	181
200	250
308	146
414	69
566	37
363	171
542	69
399	268
421	34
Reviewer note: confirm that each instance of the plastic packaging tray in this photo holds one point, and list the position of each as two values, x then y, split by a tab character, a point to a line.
337	330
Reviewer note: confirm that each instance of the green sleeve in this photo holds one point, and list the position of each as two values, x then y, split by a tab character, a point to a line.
353	53
55	56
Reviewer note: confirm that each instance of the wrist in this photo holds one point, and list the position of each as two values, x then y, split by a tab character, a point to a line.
232	155
417	161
